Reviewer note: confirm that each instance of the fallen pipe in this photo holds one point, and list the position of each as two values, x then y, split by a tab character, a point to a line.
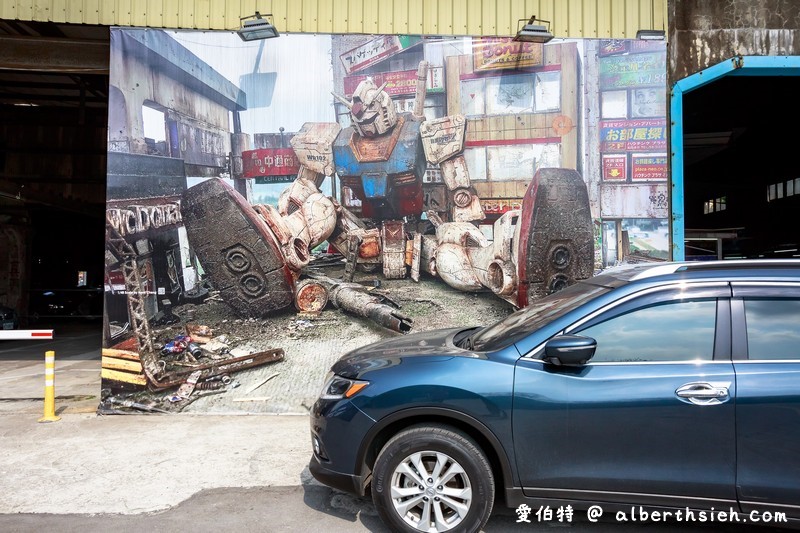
354	298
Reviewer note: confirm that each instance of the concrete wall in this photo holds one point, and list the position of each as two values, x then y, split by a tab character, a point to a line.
703	33
135	82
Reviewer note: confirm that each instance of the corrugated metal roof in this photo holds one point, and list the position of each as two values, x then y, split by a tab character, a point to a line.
569	18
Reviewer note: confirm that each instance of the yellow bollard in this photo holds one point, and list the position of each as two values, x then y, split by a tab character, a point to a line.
50	388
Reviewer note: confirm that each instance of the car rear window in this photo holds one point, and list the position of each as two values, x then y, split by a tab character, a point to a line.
772	332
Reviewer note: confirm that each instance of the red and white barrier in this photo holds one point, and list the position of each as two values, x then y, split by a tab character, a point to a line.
25	334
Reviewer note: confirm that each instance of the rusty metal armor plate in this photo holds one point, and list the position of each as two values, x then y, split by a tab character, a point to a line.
313	145
556	246
394	249
443	138
238	252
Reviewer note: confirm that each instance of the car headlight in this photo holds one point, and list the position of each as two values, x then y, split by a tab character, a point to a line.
337	387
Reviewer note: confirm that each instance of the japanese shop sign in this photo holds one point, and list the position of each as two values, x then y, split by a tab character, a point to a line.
649	167
613	47
398	83
610	47
633	135
269	162
493	53
615	167
376	50
633	70
201	145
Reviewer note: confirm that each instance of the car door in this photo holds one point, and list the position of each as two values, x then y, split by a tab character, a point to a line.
649	419
766	349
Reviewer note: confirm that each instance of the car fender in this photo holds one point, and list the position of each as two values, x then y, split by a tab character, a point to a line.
441	413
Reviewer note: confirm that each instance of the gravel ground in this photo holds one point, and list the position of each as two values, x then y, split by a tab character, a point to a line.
313	343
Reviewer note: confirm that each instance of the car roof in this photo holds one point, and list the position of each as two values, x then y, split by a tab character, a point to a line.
738	268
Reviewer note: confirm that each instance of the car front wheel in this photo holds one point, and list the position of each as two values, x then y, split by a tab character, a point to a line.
433	478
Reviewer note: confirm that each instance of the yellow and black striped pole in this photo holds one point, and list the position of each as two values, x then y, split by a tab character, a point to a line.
50	388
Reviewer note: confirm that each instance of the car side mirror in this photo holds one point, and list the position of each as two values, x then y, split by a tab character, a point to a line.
569	350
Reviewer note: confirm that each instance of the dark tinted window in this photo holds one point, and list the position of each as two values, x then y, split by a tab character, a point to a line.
537	314
673	331
773	328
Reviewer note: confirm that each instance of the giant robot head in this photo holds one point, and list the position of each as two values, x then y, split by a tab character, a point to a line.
371	109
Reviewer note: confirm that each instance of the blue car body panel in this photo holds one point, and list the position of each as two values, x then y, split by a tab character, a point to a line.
614	428
768	433
618	432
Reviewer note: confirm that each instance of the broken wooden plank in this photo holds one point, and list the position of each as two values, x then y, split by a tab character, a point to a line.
124	377
257	385
121	364
121	354
253	399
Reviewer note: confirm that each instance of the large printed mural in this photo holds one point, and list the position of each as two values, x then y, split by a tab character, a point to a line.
275	204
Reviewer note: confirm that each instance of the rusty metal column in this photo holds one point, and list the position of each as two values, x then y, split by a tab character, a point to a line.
239	143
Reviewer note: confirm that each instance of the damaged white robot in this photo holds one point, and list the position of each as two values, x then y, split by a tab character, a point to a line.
256	255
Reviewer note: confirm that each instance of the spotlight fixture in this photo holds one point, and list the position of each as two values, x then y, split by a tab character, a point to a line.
534	33
650	35
255	28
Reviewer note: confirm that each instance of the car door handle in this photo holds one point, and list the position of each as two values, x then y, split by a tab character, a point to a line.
704	392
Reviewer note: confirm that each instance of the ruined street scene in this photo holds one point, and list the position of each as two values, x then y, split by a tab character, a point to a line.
265	217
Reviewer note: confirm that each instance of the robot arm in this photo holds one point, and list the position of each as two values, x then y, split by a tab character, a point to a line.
466	260
304	218
443	141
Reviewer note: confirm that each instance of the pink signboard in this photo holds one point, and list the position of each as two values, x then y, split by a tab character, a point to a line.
398	83
376	50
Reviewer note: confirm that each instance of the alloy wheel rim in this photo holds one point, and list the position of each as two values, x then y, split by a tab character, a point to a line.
431	491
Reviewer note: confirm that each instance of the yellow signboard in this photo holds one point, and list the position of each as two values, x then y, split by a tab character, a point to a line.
493	53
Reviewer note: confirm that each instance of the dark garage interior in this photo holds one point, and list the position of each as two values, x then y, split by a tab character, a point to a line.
53	120
741	181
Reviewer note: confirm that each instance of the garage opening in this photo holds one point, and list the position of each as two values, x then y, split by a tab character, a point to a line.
739	178
53	145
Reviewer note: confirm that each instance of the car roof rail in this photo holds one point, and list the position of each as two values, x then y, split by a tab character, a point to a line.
755	264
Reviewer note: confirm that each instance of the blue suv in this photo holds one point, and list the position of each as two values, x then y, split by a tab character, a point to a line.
670	386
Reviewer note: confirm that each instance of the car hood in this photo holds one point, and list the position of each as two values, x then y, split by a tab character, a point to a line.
382	354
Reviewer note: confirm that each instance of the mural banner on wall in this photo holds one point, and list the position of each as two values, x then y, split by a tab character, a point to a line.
264	216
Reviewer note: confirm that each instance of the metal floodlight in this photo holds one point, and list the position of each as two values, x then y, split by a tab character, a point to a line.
534	33
255	28
650	35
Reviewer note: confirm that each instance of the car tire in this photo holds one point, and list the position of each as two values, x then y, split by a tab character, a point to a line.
456	492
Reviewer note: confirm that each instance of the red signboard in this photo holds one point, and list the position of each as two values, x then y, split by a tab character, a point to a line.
397	83
269	162
633	135
649	167
615	167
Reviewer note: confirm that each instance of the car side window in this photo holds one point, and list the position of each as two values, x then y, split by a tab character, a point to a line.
772	328
670	331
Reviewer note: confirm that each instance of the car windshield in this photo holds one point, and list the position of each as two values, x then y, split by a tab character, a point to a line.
522	322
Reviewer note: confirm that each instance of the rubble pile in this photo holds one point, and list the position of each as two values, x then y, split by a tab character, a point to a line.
311	343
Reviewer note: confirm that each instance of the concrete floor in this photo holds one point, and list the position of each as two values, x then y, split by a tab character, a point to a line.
77	347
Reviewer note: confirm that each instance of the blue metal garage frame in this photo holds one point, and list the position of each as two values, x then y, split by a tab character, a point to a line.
736	66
